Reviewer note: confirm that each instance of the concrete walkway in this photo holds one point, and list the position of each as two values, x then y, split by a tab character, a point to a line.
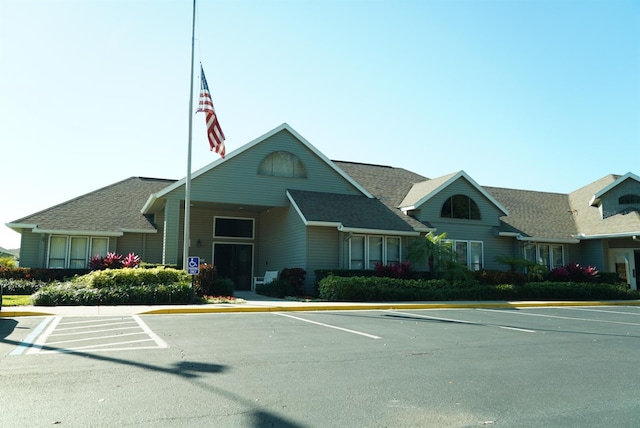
258	303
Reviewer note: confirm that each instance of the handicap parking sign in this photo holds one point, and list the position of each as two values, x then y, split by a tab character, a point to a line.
193	265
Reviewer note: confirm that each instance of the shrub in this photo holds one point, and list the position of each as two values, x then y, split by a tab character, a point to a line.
280	288
295	277
495	277
395	270
20	286
119	286
114	261
574	272
206	280
359	289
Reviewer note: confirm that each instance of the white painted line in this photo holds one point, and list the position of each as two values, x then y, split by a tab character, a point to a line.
105	346
524	330
92	326
86	339
75	333
90	321
519	312
37	345
602	310
161	343
27	342
371	336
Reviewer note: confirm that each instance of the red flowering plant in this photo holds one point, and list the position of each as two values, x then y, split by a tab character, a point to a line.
574	272
395	270
114	261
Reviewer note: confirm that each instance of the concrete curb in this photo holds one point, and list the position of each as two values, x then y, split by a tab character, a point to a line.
293	307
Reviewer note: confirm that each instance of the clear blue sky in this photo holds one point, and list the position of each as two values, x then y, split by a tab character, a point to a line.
530	94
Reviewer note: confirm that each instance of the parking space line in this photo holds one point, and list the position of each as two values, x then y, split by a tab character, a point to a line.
87	339
159	342
27	342
603	311
371	336
558	317
452	320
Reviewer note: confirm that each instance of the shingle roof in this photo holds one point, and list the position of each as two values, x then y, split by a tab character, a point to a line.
536	214
109	209
390	185
352	211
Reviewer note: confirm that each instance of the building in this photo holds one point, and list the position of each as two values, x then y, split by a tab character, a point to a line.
278	202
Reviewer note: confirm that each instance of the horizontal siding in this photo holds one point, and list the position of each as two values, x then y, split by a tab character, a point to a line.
430	211
236	181
32	248
282	241
609	202
323	248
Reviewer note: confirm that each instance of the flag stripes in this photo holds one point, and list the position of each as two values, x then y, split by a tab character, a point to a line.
214	132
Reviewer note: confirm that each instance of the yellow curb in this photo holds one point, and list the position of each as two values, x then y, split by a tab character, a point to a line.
356	307
12	314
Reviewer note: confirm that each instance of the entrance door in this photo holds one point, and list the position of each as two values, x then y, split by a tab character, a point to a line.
623	262
234	261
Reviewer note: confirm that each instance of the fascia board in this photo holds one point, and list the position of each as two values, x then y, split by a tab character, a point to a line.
548	240
377	231
297	208
77	232
18	226
583	236
125	230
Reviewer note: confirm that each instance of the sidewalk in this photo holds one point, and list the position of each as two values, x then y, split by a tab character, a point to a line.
258	303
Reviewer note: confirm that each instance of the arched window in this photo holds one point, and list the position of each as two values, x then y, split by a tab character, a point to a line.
282	164
629	199
460	206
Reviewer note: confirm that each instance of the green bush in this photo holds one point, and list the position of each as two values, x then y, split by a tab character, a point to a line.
361	289
20	286
118	287
280	288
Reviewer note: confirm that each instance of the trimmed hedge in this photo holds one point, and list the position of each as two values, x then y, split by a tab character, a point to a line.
363	289
20	286
119	287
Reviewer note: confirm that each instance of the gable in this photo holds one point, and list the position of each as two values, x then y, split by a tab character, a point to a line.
242	179
421	193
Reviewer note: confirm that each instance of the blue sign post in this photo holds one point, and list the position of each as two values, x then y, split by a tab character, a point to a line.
193	265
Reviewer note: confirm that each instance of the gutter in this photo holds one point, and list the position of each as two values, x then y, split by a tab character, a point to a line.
633	235
521	237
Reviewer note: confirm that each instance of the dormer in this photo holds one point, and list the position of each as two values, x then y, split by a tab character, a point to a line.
619	197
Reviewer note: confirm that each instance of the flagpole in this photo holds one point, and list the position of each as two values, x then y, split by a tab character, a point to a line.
187	181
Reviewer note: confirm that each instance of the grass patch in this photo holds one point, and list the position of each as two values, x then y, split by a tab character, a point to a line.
15	300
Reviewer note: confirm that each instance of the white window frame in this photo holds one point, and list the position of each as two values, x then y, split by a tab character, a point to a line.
469	263
550	257
366	263
68	247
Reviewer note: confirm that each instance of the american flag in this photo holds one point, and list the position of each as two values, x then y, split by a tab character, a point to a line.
214	132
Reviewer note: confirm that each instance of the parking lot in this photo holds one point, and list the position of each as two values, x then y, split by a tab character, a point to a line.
548	366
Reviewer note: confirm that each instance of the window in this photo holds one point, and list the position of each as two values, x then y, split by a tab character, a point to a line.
549	255
282	164
629	199
460	206
467	253
366	251
227	227
73	252
375	250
